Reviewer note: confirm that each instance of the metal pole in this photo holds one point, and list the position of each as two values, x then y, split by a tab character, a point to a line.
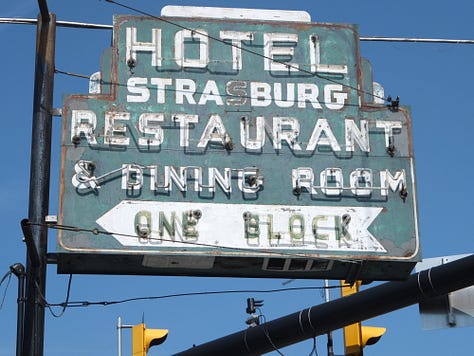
330	344
33	341
19	271
119	328
321	319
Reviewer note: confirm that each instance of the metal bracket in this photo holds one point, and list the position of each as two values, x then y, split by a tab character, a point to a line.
31	249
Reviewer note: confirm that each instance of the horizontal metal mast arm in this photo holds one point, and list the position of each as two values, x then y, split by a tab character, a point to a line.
320	319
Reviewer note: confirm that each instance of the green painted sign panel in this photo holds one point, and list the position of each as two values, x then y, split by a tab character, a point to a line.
236	147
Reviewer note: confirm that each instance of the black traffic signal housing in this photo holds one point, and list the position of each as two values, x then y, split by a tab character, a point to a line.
252	305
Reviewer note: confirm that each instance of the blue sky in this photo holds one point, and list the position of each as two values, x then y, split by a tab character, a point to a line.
435	80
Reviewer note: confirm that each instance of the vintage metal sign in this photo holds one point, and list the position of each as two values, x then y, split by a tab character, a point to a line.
236	147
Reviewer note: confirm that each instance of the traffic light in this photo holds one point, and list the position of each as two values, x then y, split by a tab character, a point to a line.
252	305
143	339
356	336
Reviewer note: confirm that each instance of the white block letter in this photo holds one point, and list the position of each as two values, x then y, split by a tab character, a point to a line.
271	51
133	46
180	40
83	122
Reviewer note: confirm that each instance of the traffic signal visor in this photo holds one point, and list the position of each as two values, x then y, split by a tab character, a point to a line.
143	339
356	337
371	334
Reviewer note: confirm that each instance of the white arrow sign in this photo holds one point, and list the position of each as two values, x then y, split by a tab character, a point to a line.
242	226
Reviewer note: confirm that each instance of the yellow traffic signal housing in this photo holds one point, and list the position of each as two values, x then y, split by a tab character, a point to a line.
143	339
356	336
371	334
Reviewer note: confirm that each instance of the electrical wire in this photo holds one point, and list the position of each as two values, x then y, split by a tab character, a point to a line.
226	96
9	276
71	74
248	97
63	305
257	54
97	231
415	40
267	334
93	26
290	66
67	304
314	350
80	304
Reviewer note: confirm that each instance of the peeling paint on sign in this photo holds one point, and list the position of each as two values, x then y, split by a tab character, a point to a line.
239	139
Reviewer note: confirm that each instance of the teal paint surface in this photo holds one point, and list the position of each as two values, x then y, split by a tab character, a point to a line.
230	99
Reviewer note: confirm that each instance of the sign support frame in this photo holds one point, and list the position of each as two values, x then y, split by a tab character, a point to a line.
33	341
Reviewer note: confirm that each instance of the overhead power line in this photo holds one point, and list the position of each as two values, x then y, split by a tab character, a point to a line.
319	319
108	27
417	40
72	24
96	231
76	304
23	21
